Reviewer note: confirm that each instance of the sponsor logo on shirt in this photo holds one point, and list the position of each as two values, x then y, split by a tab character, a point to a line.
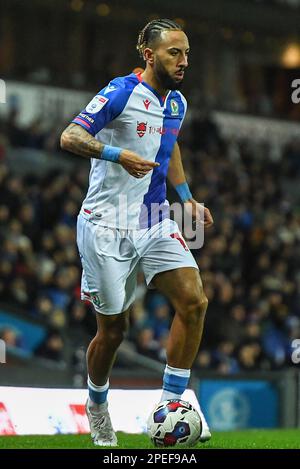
163	130
141	128
97	103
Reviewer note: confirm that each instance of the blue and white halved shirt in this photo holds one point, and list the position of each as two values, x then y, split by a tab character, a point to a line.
130	114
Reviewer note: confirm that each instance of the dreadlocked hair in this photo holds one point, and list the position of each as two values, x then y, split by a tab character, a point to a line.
152	31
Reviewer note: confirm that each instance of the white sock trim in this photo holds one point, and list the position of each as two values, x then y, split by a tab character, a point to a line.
184	373
167	395
96	388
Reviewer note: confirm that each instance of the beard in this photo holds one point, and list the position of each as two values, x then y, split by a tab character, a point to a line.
162	75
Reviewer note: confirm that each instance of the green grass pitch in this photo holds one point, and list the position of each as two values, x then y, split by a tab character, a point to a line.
246	439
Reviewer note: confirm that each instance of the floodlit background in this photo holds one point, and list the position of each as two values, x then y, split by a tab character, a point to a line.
241	150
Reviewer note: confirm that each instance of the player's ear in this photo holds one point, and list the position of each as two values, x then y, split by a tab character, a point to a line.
148	55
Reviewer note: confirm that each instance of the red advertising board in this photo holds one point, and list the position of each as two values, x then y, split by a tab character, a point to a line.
6	425
80	418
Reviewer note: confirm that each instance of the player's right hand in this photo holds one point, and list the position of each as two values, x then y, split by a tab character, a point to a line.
135	165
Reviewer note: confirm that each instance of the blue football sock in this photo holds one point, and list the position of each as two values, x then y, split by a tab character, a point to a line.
97	394
175	382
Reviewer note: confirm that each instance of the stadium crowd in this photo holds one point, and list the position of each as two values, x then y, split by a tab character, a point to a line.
249	262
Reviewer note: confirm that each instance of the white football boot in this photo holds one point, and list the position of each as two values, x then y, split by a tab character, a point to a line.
102	432
205	434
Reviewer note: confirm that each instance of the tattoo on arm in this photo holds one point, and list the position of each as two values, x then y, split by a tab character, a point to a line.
77	140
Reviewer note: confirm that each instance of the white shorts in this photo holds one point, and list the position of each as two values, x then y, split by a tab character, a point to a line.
111	259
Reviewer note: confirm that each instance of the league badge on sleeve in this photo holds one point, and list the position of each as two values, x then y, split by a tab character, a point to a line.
97	103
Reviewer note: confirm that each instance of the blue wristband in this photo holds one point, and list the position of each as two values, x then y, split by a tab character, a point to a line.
183	191
111	153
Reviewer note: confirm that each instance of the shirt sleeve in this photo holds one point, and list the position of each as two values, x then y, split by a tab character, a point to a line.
104	107
184	104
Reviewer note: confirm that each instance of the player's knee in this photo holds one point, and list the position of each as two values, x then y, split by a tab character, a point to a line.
197	308
115	337
118	332
114	332
193	308
203	305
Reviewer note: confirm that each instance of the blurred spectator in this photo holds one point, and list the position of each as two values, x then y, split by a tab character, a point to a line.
11	337
160	315
204	360
52	347
146	344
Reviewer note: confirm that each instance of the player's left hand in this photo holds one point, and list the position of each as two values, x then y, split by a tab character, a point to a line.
208	219
200	213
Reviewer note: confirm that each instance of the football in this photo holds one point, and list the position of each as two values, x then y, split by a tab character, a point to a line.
174	422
